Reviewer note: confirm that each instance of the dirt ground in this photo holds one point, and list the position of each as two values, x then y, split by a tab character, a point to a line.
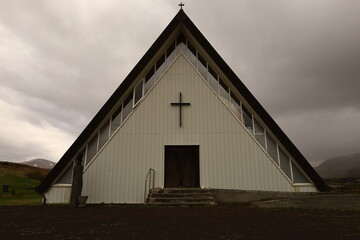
141	222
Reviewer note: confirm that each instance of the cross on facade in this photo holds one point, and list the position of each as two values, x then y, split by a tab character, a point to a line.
181	5
180	104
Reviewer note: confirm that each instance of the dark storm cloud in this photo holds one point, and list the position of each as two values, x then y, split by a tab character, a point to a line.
60	61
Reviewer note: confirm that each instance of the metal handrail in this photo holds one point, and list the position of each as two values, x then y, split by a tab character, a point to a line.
150	178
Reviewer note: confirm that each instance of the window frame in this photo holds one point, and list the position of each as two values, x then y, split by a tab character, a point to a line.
134	93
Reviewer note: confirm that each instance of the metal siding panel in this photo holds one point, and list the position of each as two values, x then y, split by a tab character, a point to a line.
58	195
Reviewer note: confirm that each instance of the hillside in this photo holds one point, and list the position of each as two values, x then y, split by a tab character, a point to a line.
20	179
40	163
347	166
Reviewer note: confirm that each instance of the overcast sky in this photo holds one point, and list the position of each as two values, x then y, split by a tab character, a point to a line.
61	60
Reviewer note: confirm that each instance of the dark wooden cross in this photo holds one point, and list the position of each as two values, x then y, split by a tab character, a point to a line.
180	104
181	5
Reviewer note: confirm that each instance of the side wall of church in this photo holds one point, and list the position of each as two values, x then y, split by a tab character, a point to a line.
230	158
58	194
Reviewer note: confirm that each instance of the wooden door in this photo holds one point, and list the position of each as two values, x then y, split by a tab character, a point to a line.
182	166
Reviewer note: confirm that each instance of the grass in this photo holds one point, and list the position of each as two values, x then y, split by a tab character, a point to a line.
21	187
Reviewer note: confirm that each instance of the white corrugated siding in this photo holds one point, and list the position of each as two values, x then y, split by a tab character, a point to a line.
58	194
229	156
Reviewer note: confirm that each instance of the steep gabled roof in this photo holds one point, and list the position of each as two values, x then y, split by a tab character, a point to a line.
181	19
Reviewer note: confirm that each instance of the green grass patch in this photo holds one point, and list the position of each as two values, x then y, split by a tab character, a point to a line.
21	190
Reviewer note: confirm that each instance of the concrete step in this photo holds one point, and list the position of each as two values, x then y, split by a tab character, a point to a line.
180	190
180	196
175	204
180	199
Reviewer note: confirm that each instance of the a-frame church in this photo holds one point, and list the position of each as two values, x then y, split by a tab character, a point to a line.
185	114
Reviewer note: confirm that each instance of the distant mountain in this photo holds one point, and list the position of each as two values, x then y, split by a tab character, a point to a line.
347	166
40	163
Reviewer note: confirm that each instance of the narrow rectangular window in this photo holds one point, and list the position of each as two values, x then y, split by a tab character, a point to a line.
191	54
160	61
259	133
212	72
116	119
235	106
170	54
138	92
104	134
223	90
92	149
170	49
285	163
160	66
191	48
213	79
272	148
149	79
202	66
127	107
247	119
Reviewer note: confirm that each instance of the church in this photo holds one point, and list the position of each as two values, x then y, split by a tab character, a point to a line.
180	119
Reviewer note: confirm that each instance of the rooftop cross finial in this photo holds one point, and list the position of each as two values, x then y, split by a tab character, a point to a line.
181	5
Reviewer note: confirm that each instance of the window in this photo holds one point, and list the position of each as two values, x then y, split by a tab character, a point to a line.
259	133
91	149
223	91
235	106
213	79
170	49
149	79
272	148
247	119
181	39
191	48
116	119
180	44
160	67
127	107
170	55
191	54
202	66
104	134
160	62
138	92
299	177
285	163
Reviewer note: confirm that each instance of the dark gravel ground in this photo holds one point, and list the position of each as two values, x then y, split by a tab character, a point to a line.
141	222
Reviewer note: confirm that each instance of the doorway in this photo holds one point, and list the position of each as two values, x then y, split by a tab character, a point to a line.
182	166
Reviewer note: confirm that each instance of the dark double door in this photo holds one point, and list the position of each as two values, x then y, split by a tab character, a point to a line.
182	166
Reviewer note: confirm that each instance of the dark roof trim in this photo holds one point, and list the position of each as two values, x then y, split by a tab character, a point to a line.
180	18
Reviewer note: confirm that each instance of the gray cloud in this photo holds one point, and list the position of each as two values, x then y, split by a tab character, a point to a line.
60	61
